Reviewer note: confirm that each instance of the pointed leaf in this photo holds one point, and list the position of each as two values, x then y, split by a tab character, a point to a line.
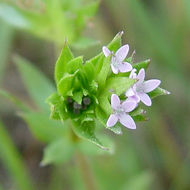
140	65
158	92
74	65
42	127
86	131
58	152
65	84
61	64
102	75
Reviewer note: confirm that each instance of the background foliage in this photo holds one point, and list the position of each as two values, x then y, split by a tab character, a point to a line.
156	155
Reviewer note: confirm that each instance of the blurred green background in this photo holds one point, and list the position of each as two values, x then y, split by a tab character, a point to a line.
156	155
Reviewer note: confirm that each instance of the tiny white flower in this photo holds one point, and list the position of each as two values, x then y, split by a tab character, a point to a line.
138	92
117	59
121	112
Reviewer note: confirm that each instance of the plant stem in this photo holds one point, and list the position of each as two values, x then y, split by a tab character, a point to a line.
85	171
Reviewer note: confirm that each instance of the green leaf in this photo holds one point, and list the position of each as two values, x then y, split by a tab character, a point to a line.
115	44
61	64
102	75
117	85
158	92
137	111
74	65
38	86
65	85
88	148
13	162
86	131
140	65
139	118
139	114
105	104
42	127
89	70
58	152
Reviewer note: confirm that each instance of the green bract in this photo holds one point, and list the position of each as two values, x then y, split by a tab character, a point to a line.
84	90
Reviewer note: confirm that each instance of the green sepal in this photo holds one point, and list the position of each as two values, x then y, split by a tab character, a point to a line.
158	92
139	114
142	64
61	64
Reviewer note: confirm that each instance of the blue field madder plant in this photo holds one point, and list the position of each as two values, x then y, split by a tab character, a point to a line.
107	89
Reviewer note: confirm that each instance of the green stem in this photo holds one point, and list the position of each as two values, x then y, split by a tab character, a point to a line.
85	171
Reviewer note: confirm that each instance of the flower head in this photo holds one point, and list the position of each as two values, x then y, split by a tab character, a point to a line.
121	112
117	59
138	92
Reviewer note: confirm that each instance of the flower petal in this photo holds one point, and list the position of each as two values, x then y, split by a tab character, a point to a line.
112	120
133	74
125	67
114	69
127	121
141	76
129	106
134	98
122	52
150	85
115	101
130	92
145	99
106	51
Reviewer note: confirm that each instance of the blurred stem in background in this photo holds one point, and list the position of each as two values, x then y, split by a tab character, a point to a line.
6	36
85	171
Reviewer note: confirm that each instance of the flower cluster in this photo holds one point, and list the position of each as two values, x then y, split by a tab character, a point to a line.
84	90
136	93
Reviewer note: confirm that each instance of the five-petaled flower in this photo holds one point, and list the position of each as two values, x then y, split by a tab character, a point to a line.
117	59
121	112
138	92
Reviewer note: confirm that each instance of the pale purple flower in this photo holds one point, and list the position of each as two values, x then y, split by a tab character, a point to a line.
121	112
117	59
138	92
